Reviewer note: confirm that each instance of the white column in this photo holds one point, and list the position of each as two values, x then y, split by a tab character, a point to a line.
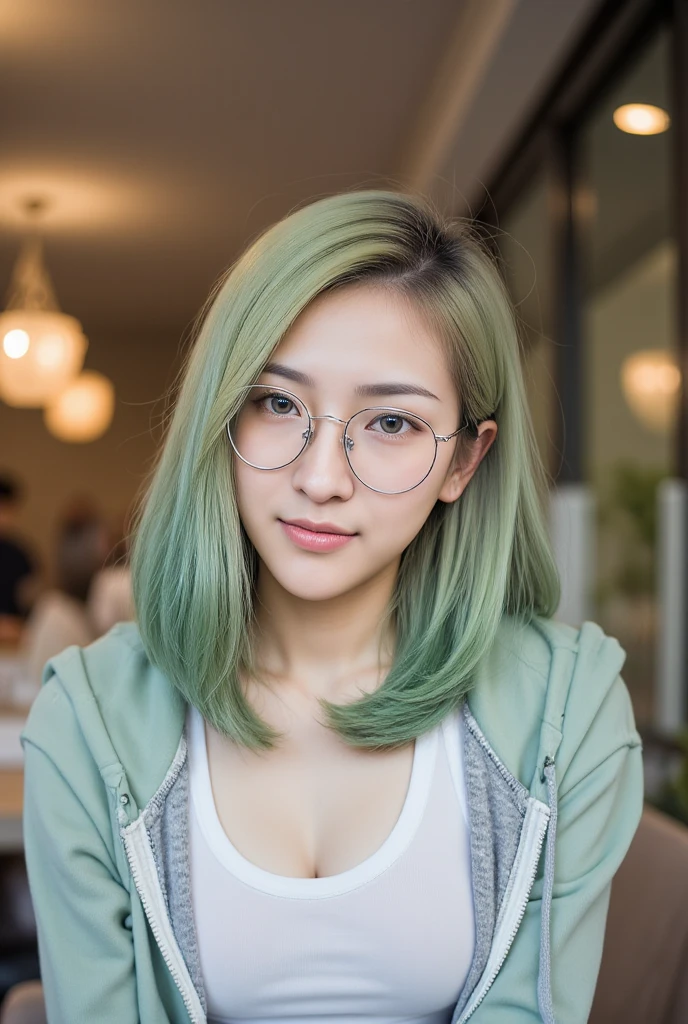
572	529
672	565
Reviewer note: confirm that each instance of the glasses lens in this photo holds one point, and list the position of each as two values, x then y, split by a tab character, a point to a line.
268	431
389	450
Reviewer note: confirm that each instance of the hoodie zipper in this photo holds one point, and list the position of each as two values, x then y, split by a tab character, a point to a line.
526	886
521	910
155	928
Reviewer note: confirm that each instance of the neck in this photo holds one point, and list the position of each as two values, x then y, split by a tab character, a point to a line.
319	647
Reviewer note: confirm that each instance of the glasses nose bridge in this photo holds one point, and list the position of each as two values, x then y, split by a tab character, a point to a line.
326	416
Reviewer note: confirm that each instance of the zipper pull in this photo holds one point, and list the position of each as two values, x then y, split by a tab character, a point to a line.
549	763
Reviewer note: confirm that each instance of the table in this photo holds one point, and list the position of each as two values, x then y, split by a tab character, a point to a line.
11	774
11	788
11	800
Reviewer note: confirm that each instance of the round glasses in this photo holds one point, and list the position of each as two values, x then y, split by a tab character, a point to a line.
389	450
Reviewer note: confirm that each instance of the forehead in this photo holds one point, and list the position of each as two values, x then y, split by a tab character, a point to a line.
361	335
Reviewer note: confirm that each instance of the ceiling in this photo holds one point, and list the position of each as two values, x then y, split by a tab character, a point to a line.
166	134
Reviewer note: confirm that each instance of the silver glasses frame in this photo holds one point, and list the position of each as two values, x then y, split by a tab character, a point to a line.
346	442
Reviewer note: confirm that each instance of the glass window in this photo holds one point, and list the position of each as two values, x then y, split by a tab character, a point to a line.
629	261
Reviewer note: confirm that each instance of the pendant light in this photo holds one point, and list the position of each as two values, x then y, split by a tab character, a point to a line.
83	411
41	348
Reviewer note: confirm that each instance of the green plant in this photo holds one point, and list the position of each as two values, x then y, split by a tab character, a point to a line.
628	508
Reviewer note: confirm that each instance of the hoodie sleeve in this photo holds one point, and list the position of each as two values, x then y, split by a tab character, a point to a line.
600	802
82	908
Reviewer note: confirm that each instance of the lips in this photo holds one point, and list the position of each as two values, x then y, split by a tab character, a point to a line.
307	524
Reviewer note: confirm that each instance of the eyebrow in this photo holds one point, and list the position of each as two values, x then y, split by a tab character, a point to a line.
362	390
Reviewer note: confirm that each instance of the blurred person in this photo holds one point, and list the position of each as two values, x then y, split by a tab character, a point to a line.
18	566
345	765
60	615
110	598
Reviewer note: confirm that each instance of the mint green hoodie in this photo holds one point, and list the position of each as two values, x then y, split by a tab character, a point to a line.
554	781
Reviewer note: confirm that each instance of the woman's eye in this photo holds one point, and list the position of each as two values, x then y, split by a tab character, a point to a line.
393	424
278	404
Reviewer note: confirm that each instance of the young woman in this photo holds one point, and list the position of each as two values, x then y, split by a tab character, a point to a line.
345	766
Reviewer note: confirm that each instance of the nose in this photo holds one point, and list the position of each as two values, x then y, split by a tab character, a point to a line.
322	470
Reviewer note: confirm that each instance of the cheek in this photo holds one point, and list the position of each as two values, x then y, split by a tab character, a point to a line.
253	490
399	519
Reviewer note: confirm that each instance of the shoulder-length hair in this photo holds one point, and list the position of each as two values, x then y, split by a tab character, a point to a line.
474	561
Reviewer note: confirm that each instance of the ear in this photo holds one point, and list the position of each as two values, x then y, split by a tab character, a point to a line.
457	478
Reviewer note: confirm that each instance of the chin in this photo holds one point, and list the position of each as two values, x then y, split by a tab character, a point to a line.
312	589
310	581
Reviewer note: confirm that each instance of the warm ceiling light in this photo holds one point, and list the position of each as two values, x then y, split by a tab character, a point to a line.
641	119
15	344
83	411
40	357
651	381
42	348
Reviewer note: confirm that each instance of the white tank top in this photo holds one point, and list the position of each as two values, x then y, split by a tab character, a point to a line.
387	941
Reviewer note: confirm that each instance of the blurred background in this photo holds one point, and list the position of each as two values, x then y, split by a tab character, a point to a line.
144	143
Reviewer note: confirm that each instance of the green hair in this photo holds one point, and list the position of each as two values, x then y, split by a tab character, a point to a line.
474	561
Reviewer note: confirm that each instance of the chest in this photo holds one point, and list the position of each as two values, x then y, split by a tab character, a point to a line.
312	808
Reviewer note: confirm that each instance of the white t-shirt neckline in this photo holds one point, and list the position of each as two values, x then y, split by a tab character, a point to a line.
392	848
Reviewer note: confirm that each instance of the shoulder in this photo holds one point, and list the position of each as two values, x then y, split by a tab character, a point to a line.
120	650
526	660
112	668
543	684
122	708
